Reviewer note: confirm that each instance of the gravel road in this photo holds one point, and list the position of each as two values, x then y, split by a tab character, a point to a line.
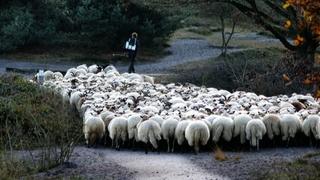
106	163
181	51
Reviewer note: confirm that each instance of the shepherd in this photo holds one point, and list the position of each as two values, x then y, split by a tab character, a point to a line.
132	47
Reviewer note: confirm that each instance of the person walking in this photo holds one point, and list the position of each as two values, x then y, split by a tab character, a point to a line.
132	47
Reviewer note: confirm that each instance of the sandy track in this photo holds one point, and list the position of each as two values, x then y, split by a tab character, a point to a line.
106	163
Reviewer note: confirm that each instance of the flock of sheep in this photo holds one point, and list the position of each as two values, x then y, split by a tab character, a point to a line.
132	108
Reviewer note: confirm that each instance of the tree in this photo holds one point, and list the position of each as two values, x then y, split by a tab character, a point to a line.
289	19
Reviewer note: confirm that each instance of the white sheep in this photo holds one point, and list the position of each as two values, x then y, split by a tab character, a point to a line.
222	126
133	120
118	131
290	124
255	130
167	130
310	125
180	131
272	123
149	131
148	79
240	123
93	130
48	75
197	132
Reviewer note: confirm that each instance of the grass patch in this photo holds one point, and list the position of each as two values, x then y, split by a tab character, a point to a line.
298	169
37	130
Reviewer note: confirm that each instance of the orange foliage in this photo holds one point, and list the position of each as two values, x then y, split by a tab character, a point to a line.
310	13
310	10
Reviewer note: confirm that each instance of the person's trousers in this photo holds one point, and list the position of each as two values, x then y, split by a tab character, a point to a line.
132	57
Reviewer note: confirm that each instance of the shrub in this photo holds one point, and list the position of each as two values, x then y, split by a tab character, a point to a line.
34	118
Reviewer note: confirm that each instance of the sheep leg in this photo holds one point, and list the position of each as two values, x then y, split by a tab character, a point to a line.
168	143
258	144
146	148
117	144
112	143
173	145
310	141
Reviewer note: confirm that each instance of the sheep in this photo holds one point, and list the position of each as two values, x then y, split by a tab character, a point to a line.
94	69
197	132
149	131
148	79
240	123
158	119
93	130
168	130
290	124
75	99
118	130
133	120
222	126
272	123
48	75
255	130
180	131
58	75
309	126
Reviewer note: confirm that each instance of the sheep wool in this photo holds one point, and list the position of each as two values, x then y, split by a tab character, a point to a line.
240	123
118	130
149	131
222	126
180	131
290	124
93	130
310	125
197	132
255	130
272	123
168	129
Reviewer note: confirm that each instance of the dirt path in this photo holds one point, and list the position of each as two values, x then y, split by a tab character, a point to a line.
106	163
181	51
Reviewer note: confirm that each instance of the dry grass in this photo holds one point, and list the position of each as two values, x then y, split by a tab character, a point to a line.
219	155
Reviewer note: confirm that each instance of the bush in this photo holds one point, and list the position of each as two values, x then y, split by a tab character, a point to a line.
102	24
34	118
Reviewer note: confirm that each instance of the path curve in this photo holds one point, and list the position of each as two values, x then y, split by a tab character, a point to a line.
181	51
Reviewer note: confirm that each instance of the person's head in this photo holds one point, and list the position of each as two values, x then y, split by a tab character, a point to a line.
134	35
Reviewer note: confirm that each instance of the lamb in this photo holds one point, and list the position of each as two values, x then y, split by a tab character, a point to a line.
222	126
167	130
197	132
93	129
149	131
180	131
240	123
255	130
118	130
310	125
272	123
290	124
